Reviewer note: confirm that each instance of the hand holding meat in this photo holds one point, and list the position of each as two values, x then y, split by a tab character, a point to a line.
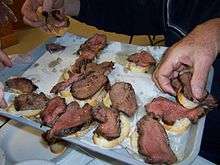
197	50
52	10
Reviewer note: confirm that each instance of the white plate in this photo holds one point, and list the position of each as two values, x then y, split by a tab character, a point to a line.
19	143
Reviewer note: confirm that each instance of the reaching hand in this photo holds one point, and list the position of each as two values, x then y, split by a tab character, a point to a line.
30	7
197	50
5	59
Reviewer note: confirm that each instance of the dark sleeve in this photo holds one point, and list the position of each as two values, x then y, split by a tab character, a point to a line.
122	16
189	13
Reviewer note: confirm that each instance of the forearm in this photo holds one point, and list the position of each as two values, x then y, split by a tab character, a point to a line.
72	7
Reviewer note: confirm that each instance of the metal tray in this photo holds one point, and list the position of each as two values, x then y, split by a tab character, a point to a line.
41	74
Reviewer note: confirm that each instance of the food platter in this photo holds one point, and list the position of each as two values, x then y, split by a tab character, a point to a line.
46	72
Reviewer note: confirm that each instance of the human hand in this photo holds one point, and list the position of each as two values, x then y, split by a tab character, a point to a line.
197	50
5	59
30	7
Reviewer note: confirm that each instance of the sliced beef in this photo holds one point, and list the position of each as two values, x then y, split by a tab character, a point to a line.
123	98
53	47
30	101
103	68
153	142
53	110
21	84
79	65
182	84
170	111
88	86
109	119
143	59
71	121
66	83
92	46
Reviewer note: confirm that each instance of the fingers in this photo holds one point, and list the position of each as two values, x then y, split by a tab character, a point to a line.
5	59
33	23
162	76
199	78
29	11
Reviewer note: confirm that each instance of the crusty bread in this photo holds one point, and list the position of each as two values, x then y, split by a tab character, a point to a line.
125	129
59	147
185	102
134	141
179	127
139	69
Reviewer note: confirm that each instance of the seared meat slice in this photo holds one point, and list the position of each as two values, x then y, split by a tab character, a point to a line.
21	84
53	110
30	101
79	65
71	121
102	68
109	119
153	142
169	111
143	59
92	46
53	47
88	86
123	98
182	84
66	83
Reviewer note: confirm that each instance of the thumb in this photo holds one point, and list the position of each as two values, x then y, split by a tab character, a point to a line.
199	79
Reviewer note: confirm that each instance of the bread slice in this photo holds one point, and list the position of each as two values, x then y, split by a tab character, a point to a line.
125	129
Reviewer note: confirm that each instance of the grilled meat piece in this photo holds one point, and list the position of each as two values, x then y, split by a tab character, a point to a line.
143	59
92	46
71	121
103	68
66	83
53	47
182	84
79	65
169	111
153	142
123	99
109	119
88	86
21	84
53	110
30	101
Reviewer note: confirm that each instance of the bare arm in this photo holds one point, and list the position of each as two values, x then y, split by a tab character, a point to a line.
198	50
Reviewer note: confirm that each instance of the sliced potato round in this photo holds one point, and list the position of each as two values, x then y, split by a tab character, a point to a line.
125	129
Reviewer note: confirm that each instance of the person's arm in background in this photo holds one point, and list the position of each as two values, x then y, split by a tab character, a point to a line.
198	50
